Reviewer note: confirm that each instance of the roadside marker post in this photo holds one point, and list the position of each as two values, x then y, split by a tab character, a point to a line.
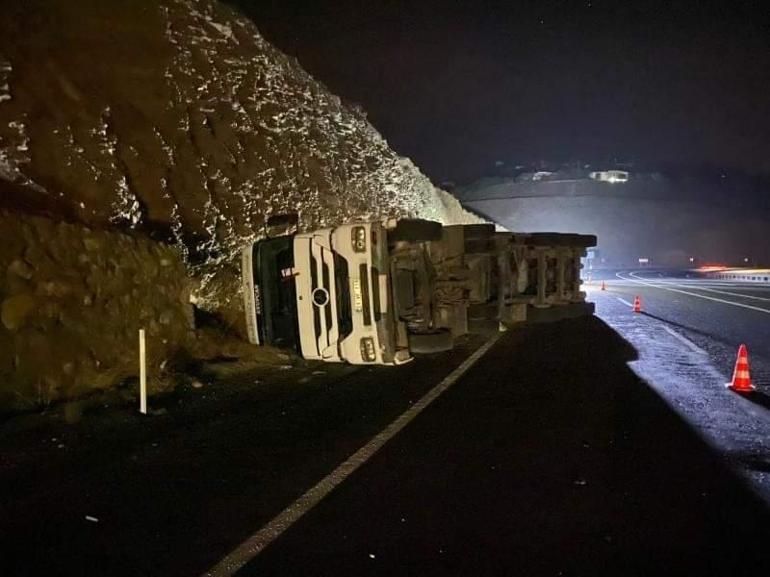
142	374
638	304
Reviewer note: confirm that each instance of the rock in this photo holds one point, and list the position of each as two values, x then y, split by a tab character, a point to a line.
21	269
93	243
56	288
16	285
50	310
16	310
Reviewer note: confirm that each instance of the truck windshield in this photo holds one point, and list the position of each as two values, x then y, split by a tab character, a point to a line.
274	269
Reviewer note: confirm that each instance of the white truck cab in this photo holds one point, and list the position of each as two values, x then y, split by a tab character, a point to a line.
326	293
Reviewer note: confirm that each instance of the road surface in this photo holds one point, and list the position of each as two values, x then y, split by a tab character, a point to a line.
687	337
559	452
716	315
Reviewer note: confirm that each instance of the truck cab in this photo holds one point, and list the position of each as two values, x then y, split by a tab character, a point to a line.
326	293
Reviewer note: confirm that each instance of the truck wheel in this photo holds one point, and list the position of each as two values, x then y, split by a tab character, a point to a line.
437	341
483	326
585	240
482	311
415	230
547	239
478	231
480	246
281	224
283	219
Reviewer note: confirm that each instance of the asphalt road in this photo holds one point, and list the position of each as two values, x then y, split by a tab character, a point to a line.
718	316
557	453
687	339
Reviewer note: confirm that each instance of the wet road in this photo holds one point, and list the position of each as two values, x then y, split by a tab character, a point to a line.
717	316
687	339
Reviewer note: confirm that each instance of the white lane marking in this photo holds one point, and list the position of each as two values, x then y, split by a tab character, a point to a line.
625	302
255	544
707	282
691	345
732	294
706	297
710	287
684	282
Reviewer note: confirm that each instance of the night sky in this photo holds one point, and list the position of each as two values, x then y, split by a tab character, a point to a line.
458	86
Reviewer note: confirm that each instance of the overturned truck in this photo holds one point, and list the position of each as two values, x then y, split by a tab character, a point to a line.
378	292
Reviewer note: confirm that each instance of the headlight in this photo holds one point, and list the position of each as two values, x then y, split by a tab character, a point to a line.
367	350
358	238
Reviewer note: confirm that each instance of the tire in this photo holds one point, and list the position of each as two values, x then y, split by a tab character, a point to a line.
483	326
586	240
480	246
482	318
438	341
478	231
415	230
283	219
559	312
482	311
546	239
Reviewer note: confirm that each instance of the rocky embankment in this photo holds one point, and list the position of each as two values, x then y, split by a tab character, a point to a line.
73	300
166	131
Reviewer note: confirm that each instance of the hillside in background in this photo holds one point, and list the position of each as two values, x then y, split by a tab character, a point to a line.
666	218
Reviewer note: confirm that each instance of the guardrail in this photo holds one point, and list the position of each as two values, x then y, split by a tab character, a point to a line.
742	275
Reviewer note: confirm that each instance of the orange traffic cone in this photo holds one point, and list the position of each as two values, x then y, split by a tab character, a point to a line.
637	305
604	286
741	382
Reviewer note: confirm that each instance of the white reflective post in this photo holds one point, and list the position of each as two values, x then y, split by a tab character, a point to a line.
142	375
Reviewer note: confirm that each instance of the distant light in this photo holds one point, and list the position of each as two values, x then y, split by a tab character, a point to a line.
643	260
746	259
712	267
692	259
611	176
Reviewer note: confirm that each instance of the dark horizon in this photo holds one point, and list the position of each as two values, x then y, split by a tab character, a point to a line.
459	87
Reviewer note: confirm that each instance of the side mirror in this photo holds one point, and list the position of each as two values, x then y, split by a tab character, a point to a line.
281	224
